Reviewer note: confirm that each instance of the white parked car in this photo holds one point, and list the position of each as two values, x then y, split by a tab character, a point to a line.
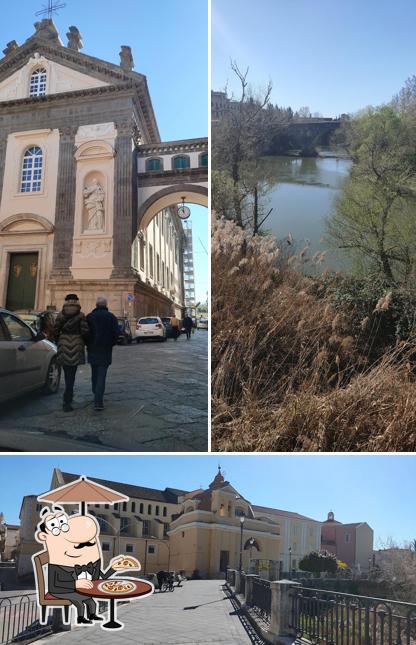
150	327
27	359
202	323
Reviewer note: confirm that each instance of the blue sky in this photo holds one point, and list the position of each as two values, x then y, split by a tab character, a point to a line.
330	55
373	488
169	41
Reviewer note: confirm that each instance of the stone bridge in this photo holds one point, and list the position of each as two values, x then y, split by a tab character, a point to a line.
313	131
170	172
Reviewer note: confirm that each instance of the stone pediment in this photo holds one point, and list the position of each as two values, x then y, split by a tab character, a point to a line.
52	50
96	75
25	223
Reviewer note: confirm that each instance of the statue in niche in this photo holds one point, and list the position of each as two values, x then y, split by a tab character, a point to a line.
94	203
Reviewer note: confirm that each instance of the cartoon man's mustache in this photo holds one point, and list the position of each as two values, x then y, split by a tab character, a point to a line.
82	544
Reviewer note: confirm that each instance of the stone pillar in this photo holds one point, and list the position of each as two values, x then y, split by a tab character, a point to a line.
237	581
65	205
123	201
280	630
249	587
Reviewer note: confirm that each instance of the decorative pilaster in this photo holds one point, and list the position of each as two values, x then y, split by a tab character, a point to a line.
65	205
3	146
124	183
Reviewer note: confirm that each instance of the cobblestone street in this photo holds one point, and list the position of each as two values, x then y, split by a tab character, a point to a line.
156	400
197	613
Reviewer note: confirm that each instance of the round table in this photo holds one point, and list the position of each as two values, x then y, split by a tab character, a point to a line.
142	588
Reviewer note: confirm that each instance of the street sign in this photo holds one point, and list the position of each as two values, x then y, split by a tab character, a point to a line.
131	297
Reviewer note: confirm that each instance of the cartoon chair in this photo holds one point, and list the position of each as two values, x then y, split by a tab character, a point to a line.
46	600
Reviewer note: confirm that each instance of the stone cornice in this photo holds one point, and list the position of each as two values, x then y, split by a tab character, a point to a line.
172	147
64	96
163	178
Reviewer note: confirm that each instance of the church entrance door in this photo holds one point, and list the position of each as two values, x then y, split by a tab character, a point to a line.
21	287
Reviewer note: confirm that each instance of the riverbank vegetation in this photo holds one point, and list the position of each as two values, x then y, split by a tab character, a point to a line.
322	362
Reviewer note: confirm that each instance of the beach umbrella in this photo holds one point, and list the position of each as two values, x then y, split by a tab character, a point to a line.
82	491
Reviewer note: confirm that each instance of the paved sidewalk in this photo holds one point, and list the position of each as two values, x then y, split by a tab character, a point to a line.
156	400
197	613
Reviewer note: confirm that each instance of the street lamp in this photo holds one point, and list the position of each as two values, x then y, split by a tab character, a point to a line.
290	561
242	518
251	543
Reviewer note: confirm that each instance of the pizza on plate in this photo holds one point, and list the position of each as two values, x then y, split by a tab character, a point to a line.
117	586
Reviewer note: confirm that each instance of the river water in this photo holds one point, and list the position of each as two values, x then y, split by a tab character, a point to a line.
302	192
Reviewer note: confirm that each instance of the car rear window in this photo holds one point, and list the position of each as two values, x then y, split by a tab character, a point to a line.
148	321
166	320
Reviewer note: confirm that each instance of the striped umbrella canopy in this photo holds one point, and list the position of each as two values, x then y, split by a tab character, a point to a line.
82	491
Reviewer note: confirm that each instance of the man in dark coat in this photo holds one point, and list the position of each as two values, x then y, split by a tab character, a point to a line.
70	332
103	336
188	324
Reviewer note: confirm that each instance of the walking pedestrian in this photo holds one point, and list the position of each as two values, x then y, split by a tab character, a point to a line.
188	323
103	336
175	327
70	332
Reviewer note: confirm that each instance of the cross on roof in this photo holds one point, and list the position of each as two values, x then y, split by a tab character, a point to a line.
50	9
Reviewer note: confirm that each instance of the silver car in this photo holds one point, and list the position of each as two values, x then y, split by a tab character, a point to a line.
27	360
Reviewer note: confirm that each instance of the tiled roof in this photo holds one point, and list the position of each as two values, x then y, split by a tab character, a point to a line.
275	511
169	495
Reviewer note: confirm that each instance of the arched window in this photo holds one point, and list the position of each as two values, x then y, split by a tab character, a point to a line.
180	162
153	164
203	159
32	171
38	82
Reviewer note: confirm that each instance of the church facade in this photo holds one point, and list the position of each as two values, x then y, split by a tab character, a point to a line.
72	128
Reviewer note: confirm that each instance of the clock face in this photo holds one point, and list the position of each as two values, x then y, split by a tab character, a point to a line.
184	212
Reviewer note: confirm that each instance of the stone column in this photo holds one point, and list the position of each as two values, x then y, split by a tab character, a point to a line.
123	201
280	630
65	205
249	587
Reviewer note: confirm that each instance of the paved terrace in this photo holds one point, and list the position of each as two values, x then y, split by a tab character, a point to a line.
200	612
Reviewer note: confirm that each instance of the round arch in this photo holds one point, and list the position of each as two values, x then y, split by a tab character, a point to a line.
194	194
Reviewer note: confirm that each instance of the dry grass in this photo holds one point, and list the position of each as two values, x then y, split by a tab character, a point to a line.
288	371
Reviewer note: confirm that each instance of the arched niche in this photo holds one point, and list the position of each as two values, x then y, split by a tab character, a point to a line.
94	202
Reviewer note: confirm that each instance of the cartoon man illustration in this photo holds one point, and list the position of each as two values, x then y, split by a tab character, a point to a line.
75	557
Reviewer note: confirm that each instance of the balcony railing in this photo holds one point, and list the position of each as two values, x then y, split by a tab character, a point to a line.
19	619
335	618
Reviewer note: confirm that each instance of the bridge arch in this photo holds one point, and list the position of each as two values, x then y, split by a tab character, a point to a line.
193	194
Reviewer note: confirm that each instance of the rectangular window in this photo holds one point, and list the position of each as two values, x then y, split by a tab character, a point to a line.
163	273
133	507
149	509
158	268
165	528
141	508
124	506
129	548
157	510
105	546
347	538
165	511
124	524
146	528
151	548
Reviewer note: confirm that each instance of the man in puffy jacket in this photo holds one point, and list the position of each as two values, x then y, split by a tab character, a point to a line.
70	332
103	336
